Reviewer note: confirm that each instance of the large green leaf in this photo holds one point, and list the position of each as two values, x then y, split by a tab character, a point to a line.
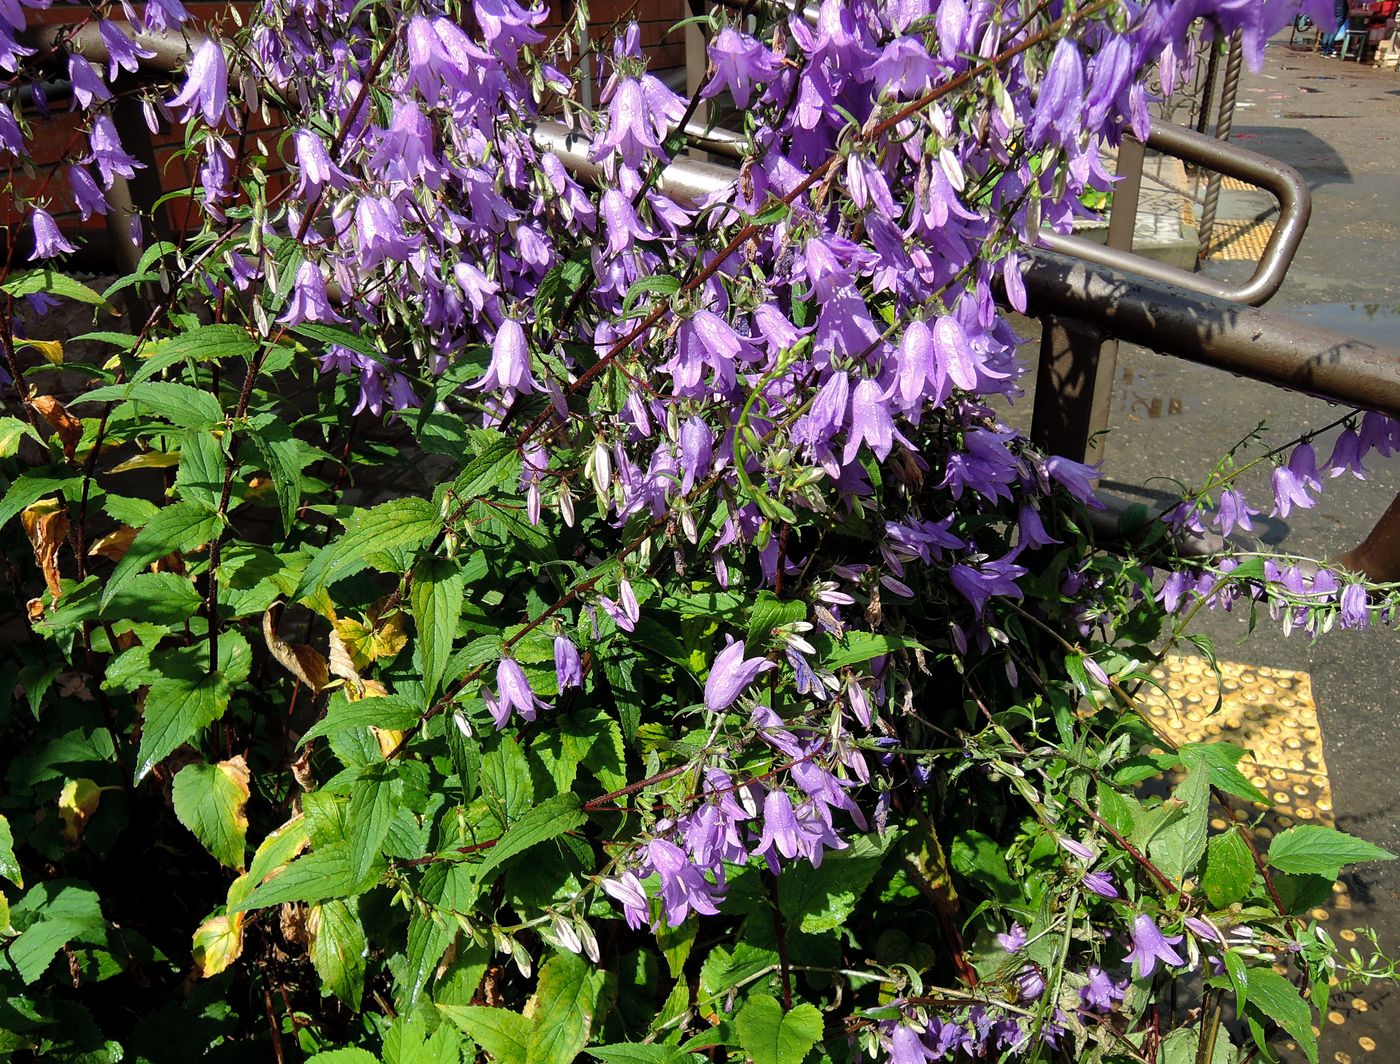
1229	869
52	283
284	457
186	699
208	343
565	1002
53	914
1278	1000
822	899
9	867
211	800
771	1036
1311	849
401	523
545	821
372	806
28	488
324	873
1179	846
180	404
200	477
338	949
181	527
437	604
768	613
503	1034
856	647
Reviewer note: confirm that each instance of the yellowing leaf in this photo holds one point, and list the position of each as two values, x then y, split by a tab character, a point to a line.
76	803
217	944
113	545
148	460
212	801
388	739
52	350
358	642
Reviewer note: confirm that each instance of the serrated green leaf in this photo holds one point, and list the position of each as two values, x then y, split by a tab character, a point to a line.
12	430
317	876
50	282
348	1055
659	284
429	935
400	523
28	488
548	820
436	597
565	1002
372	806
1278	1000
208	343
503	1034
211	800
859	647
1220	759
1180	844
284	457
176	709
392	712
768	613
181	527
1229	870
822	899
771	1036
497	462
338	949
1311	849
180	404
200	476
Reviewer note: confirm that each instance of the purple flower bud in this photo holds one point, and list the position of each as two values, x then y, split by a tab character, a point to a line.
567	665
1014	940
1101	883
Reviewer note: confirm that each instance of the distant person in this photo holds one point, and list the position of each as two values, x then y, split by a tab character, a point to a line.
1342	10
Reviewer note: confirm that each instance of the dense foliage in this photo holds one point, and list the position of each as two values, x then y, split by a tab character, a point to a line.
478	605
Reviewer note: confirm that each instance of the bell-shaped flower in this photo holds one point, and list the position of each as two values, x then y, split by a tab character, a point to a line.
317	170
206	85
904	69
507	27
1149	947
870	422
509	368
740	63
87	197
48	241
627	891
123	53
88	86
730	674
309	299
697	447
107	151
512	693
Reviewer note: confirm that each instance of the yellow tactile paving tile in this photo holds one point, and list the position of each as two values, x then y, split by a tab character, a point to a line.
1234	240
1271	713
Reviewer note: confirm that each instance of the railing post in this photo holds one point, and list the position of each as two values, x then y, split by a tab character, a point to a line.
1078	361
1223	123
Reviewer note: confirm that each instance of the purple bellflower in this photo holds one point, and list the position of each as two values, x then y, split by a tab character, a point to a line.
740	63
1149	946
512	692
730	674
206	85
309	299
48	241
568	667
509	368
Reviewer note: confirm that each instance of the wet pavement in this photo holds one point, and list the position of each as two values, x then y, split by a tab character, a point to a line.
1339	125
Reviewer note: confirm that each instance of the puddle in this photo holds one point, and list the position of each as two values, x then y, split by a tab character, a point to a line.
1378	322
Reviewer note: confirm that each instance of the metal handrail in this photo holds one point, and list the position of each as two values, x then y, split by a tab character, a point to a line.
1287	185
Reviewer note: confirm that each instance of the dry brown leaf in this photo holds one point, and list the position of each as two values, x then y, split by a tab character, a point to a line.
69	428
305	663
114	545
46	525
342	662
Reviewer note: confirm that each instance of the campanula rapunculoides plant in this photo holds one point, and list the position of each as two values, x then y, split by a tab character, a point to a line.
485	599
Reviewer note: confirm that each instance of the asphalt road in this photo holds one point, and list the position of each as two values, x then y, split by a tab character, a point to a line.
1339	125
